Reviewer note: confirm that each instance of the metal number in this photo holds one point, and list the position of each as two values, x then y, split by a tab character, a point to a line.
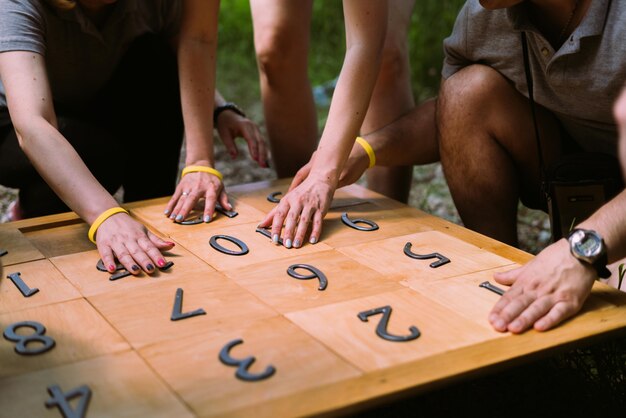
381	329
100	266
266	232
372	226
23	341
494	289
3	252
229	213
441	259
166	266
315	274
178	307
61	400
23	287
120	273
242	245
244	364
191	221
272	197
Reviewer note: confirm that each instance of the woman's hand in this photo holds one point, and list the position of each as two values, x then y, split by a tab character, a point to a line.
302	208
231	125
191	190
123	238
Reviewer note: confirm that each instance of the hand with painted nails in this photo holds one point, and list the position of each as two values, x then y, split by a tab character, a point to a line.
197	188
231	125
302	209
544	292
123	238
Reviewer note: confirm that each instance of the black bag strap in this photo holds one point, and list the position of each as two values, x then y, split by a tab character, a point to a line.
533	111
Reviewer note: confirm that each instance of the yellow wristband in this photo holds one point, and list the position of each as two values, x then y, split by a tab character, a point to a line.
368	149
103	217
201	168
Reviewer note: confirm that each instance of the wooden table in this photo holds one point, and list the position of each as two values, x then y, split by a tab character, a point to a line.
315	351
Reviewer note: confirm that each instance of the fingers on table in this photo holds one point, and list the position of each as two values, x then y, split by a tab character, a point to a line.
518	311
295	222
135	254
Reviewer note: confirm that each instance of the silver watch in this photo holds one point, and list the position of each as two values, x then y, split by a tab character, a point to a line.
589	248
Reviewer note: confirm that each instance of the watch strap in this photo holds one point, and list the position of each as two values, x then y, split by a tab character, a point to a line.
600	266
227	106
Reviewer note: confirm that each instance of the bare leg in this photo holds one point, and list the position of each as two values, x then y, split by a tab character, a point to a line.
281	39
392	98
488	149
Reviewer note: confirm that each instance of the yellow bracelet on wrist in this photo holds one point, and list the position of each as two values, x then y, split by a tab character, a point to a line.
203	169
368	149
101	218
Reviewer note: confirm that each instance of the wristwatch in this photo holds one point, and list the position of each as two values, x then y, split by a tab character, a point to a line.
227	106
588	247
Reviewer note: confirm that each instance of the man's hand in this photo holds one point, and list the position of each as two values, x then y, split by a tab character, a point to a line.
545	291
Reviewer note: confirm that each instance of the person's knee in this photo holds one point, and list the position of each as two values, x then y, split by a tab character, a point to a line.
471	88
278	53
466	100
395	62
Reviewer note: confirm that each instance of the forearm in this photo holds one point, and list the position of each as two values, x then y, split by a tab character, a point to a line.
63	169
610	222
196	51
197	101
410	140
354	88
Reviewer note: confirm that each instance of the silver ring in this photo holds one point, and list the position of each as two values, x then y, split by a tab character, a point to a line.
185	193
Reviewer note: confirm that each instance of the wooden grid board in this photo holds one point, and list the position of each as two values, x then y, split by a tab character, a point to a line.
315	351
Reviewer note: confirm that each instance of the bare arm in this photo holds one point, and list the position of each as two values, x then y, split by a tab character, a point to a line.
30	105
554	285
196	51
308	202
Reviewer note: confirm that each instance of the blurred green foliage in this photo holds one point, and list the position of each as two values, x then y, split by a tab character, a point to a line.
432	21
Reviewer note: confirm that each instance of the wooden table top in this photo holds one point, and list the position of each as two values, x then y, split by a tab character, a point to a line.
247	337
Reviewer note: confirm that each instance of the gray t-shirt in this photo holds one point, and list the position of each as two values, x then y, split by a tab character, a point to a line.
80	57
578	83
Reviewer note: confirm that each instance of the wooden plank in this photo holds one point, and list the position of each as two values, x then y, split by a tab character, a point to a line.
256	195
387	256
121	384
261	248
346	278
78	330
191	366
19	248
152	215
391	223
61	240
143	316
80	269
42	275
448	366
339	327
472	301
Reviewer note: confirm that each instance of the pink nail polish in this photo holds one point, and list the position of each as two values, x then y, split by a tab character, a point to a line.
111	268
161	262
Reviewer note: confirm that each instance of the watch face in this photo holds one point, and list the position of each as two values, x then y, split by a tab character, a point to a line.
586	244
